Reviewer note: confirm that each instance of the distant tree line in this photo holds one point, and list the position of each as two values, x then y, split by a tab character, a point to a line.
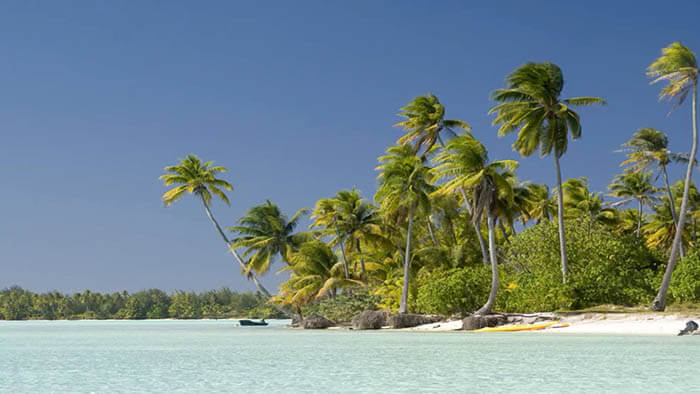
17	303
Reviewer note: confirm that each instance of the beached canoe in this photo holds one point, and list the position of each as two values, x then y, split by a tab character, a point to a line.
523	327
252	323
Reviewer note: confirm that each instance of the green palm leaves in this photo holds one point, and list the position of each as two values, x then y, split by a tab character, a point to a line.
531	105
265	233
678	66
425	119
404	181
192	176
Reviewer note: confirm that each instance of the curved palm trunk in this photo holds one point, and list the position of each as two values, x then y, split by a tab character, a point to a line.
342	249
486	309
252	275
659	303
639	219
672	203
560	218
430	230
403	307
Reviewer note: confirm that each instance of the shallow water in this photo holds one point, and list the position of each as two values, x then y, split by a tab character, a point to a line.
215	356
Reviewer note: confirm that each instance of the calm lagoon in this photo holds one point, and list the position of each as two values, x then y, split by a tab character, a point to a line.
216	356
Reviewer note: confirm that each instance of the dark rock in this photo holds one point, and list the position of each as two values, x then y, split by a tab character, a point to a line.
476	322
316	322
370	320
690	328
404	320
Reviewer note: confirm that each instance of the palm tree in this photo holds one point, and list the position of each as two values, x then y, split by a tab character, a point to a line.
350	220
579	201
678	66
425	119
191	176
541	205
531	104
455	165
490	184
634	186
316	272
265	233
404	186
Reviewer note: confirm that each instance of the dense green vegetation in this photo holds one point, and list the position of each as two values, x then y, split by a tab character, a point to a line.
19	304
450	230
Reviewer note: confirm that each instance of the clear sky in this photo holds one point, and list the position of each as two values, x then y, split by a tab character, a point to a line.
296	98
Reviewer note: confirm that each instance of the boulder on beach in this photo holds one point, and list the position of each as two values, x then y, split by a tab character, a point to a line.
405	320
316	322
475	322
370	320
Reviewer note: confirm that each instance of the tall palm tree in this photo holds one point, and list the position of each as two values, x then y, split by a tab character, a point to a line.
404	186
490	184
191	176
531	104
634	186
266	233
677	65
425	119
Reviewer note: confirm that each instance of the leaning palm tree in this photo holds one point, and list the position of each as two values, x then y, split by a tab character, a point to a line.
678	66
634	186
531	105
265	233
425	119
455	166
192	176
404	187
490	185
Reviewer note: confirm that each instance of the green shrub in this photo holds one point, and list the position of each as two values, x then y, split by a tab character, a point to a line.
454	290
342	307
604	268
685	281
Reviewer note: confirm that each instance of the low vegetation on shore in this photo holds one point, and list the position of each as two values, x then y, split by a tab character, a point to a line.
20	304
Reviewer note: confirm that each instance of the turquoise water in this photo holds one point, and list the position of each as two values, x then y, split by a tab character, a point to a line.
215	356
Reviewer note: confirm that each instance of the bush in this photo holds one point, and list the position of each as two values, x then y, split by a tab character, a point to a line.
454	290
342	307
604	268
685	281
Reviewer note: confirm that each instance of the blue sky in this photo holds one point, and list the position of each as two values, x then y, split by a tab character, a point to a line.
297	99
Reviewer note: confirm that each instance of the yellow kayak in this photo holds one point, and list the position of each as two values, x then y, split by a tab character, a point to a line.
523	327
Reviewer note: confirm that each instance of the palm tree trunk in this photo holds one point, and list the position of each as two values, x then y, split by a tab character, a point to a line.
639	219
486	309
673	204
362	259
560	214
342	249
659	303
430	230
403	307
251	275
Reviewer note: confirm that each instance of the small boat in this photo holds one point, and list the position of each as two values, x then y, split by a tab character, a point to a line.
252	323
523	327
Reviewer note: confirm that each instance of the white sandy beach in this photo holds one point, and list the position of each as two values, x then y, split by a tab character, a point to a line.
600	323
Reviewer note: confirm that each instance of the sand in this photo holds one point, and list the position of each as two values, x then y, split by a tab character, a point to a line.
599	323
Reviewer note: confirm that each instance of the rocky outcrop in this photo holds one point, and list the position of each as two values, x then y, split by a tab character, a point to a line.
370	320
316	322
405	320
